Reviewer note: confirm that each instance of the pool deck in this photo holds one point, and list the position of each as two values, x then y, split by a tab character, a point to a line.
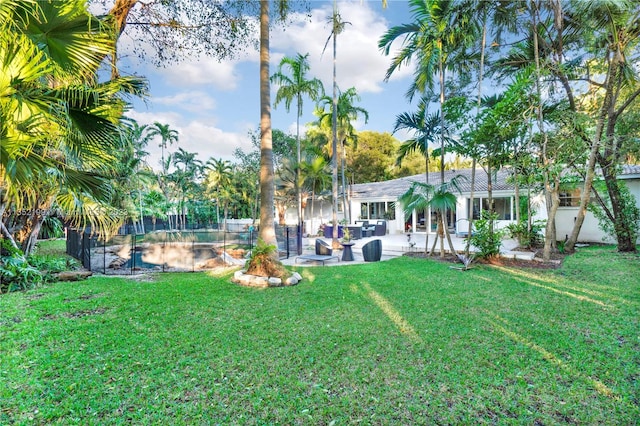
394	245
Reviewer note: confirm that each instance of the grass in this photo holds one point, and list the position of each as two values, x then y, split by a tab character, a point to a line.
408	341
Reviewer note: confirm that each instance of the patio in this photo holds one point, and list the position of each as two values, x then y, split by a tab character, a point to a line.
394	245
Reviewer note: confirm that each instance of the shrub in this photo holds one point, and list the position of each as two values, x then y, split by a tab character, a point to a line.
51	228
264	261
15	271
527	237
486	238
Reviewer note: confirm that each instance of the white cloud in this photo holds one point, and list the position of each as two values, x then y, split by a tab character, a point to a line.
360	63
202	72
192	101
194	136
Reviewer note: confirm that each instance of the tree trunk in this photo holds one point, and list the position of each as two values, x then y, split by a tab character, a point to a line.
312	231
267	230
605	112
622	224
473	160
426	211
426	228
334	144
551	192
451	248
29	244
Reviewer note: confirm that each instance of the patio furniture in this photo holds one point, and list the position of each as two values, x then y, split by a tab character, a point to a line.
368	231
323	248
355	231
347	253
372	251
324	252
380	228
328	231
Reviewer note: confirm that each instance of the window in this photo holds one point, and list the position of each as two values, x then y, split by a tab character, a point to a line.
378	210
570	198
501	205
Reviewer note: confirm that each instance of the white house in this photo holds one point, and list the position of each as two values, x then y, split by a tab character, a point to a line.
377	201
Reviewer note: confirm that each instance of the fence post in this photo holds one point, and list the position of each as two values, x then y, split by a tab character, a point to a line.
133	252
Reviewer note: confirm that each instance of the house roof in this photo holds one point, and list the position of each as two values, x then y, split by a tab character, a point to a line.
392	189
396	187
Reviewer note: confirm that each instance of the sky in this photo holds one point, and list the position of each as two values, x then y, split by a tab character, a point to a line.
214	105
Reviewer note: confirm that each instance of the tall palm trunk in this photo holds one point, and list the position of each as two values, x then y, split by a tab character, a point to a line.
426	211
267	230
473	157
551	188
299	158
334	143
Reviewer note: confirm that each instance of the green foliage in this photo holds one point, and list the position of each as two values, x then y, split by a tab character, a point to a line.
629	213
51	228
264	261
261	251
15	271
49	264
529	238
346	234
486	238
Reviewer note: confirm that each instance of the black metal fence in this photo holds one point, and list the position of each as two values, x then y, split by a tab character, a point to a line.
165	251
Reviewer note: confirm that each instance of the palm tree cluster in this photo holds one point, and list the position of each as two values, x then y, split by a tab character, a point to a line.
569	84
60	126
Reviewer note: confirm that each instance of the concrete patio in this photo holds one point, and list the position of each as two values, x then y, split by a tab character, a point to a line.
394	245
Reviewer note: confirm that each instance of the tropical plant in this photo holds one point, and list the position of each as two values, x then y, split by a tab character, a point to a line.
486	238
264	261
15	271
437	33
528	235
218	181
440	198
346	112
59	126
294	87
167	136
630	212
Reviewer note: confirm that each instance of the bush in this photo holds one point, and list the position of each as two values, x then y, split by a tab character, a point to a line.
51	228
263	261
49	264
529	238
15	271
486	238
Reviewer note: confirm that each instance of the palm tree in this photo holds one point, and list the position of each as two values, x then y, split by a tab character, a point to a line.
267	231
346	113
294	87
188	170
315	174
425	127
436	33
337	27
440	198
167	137
58	126
219	177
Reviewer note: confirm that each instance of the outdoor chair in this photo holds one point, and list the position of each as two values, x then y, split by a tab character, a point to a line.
355	231
323	248
324	252
372	251
381	228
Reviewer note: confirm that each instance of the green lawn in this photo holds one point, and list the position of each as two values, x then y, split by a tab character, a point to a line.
408	341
